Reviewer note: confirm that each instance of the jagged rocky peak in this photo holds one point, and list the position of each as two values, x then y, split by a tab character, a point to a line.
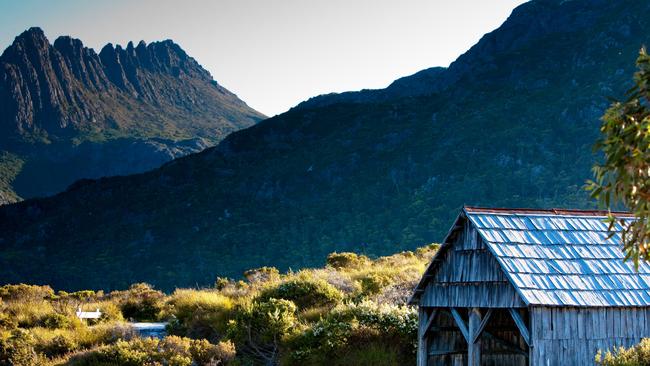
56	97
32	37
48	88
31	46
162	56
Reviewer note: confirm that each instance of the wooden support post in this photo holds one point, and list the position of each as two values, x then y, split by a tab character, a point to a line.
423	346
474	343
484	322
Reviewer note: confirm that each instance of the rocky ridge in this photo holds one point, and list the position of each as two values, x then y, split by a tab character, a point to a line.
56	96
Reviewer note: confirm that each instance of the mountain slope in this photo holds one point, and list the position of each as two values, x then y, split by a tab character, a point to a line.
510	123
60	101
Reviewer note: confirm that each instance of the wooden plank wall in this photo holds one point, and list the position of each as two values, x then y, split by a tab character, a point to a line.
469	276
572	336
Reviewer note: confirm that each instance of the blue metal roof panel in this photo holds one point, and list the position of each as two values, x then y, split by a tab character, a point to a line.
563	259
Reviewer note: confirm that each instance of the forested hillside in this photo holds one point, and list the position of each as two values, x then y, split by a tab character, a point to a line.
510	123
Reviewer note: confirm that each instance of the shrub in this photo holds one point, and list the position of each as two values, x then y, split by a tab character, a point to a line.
638	355
23	292
263	274
346	260
142	303
374	282
199	314
259	328
7	321
18	350
172	351
427	251
59	345
356	333
341	280
221	283
28	314
56	321
304	293
110	312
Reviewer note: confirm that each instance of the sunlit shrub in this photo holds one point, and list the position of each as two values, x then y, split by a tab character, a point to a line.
199	313
340	279
59	345
346	260
141	302
310	317
172	351
19	350
361	330
260	327
304	293
638	355
23	292
57	321
28	314
110	312
263	274
7	321
221	283
372	283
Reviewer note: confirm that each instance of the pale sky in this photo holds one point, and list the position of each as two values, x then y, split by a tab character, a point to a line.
276	53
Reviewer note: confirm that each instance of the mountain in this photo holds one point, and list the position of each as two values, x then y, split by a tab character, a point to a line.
67	112
510	123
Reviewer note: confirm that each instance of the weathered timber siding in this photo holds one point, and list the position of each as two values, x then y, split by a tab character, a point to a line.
572	336
469	276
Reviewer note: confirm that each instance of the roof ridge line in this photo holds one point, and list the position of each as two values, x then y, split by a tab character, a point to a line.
548	211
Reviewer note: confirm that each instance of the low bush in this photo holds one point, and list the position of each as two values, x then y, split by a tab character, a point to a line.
82	337
27	293
110	311
364	333
198	313
172	351
638	355
374	282
7	321
263	274
305	293
28	313
260	328
59	321
141	302
59	345
346	260
19	350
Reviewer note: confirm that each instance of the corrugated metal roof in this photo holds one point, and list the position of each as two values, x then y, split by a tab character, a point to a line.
562	258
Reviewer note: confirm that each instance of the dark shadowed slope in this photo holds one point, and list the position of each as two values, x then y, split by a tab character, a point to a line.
510	123
67	112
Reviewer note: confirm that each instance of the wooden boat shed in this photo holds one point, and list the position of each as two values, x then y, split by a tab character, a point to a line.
529	287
